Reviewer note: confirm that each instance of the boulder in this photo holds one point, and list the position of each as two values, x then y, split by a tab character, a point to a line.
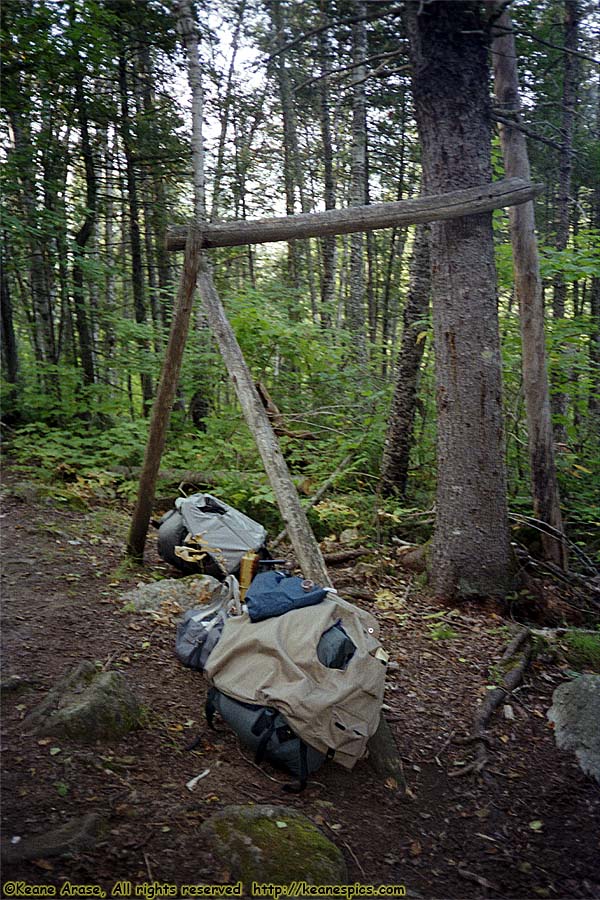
86	705
575	712
186	592
273	844
76	834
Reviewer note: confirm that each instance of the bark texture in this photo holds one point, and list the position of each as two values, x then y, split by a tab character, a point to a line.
398	441
470	553
303	540
528	287
452	204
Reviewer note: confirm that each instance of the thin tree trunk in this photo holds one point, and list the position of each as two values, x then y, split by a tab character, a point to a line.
594	352
560	400
448	205
224	108
289	140
137	265
328	244
528	286
470	553
355	305
86	230
398	441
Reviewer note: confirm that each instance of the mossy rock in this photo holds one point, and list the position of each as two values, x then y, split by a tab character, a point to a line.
273	844
188	593
86	705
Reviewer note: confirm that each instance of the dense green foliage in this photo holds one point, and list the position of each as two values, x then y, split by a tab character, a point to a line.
72	426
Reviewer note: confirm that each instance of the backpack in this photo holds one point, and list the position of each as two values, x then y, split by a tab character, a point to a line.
265	731
275	663
200	628
221	534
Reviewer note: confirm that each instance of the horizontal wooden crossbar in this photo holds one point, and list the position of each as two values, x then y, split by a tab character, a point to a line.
498	194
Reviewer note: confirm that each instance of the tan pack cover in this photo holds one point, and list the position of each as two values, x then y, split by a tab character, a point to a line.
275	663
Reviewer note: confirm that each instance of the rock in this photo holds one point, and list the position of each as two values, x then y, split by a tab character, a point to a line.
273	844
76	834
86	705
16	685
349	536
187	592
575	712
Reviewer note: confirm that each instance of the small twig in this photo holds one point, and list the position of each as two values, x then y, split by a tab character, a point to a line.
148	869
355	858
257	767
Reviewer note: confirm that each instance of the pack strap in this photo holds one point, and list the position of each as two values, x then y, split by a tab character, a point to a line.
303	778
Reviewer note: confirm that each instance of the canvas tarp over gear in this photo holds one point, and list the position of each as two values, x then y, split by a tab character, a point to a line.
224	532
275	663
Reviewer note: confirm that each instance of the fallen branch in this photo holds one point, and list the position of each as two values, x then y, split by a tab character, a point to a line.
336	559
521	643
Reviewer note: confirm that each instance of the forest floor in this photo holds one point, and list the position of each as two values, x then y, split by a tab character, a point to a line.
529	829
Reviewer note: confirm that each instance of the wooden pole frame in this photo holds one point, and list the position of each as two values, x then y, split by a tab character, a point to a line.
200	235
469	201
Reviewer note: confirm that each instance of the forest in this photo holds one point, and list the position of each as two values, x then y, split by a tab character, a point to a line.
337	263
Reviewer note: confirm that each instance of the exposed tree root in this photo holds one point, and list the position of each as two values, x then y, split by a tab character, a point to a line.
519	650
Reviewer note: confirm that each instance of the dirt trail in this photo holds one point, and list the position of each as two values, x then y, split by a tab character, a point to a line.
452	837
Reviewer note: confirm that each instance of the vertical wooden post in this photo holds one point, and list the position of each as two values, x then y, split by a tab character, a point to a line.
165	394
528	286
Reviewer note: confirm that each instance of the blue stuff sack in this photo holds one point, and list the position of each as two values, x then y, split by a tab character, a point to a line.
273	594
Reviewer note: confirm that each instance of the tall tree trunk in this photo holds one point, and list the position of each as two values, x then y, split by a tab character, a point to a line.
398	441
594	394
86	230
137	265
528	286
470	552
355	305
328	244
44	338
560	401
386	323
224	109
289	141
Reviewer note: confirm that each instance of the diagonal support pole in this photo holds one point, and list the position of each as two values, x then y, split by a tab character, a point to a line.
303	540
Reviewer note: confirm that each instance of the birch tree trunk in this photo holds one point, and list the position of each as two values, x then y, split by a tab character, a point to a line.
398	441
528	286
470	552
